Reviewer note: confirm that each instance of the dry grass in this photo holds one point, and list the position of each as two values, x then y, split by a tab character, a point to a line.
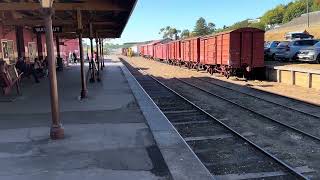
278	34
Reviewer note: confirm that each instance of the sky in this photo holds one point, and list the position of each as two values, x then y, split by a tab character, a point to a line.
150	16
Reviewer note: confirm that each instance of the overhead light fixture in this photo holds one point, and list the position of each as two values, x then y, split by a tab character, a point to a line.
46	3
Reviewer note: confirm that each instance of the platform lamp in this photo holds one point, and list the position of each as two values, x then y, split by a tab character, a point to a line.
46	3
56	130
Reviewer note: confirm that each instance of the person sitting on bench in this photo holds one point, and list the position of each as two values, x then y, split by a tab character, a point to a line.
9	78
26	69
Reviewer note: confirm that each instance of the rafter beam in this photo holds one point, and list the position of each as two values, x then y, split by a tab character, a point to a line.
30	6
34	22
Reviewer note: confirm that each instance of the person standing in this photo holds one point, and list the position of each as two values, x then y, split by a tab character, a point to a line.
74	57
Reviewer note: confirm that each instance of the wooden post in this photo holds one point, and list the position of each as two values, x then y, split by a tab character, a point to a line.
58	46
56	131
102	53
84	90
39	46
293	77
93	70
98	60
20	41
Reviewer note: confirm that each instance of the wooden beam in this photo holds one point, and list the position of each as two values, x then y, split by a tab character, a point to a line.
31	22
93	6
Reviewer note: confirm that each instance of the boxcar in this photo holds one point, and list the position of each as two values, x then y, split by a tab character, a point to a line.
190	52
149	49
174	52
161	51
236	52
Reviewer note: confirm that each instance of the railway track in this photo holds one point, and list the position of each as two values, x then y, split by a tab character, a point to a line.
227	153
263	99
253	110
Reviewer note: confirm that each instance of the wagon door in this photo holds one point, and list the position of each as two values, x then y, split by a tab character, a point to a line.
219	49
235	49
211	51
202	51
187	51
258	50
247	41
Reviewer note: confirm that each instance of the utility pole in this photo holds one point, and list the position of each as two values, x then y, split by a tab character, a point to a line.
308	13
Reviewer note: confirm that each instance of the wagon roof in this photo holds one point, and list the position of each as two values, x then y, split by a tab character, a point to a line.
245	29
187	39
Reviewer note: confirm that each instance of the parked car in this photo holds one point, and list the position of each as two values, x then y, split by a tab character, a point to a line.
270	48
298	35
311	54
288	50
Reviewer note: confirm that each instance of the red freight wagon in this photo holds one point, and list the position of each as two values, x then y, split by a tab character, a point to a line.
161	51
234	52
185	51
208	51
190	50
140	50
171	52
174	52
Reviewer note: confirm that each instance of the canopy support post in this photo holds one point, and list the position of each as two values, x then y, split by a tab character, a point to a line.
56	131
84	90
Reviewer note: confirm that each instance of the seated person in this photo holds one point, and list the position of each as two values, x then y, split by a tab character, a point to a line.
2	66
38	67
27	69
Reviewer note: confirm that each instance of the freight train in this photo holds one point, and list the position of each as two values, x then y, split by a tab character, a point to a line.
238	52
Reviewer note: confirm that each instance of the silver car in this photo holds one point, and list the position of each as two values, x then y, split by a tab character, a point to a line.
288	50
270	48
311	54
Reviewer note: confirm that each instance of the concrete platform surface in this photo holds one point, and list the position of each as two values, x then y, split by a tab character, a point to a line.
107	136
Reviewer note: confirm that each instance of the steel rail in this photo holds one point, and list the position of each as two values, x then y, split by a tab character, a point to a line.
248	109
280	162
293	109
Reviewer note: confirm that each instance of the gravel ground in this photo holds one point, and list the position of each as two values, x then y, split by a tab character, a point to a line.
167	71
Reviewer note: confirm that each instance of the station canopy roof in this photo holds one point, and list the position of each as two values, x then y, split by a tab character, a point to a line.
108	17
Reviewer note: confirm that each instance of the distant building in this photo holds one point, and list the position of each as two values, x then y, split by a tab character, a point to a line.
253	21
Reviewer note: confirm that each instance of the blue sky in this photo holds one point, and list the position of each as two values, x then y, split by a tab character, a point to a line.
151	15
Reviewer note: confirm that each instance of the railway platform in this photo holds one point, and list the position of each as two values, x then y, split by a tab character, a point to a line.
300	74
116	133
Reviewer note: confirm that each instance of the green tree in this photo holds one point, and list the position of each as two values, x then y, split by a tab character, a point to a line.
202	28
315	5
185	34
274	16
294	10
170	32
211	27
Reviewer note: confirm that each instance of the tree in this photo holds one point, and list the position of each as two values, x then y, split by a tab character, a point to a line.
202	28
315	5
170	32
185	34
211	27
294	10
274	16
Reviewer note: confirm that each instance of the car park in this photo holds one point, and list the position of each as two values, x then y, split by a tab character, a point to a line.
311	54
270	48
288	50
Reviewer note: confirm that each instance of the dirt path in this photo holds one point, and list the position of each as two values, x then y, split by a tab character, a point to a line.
167	71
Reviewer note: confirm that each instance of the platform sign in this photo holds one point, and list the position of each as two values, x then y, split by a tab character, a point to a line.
41	29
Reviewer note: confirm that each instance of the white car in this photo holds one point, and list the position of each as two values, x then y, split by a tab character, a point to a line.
311	54
289	50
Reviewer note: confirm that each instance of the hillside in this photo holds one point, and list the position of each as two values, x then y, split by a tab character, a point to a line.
298	24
